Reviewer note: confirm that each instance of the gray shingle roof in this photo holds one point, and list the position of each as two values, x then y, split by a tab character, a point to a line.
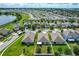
69	33
4	31
43	37
29	37
56	37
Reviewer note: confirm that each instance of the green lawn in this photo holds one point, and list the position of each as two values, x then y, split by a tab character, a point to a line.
24	17
8	26
16	48
61	48
72	44
44	49
30	50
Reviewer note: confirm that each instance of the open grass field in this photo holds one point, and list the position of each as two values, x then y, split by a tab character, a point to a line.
24	17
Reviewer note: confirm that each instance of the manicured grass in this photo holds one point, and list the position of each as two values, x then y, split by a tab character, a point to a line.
7	26
44	49
35	41
61	48
16	48
24	17
72	44
30	50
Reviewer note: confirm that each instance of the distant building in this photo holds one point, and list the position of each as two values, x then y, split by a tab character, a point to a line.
26	25
16	27
1	36
53	25
67	24
46	25
75	24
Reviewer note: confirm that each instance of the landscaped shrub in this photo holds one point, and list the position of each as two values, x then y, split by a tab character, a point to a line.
33	27
39	31
76	50
57	53
48	49
23	51
67	51
60	49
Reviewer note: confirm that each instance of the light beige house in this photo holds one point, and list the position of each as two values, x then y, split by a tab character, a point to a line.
57	38
43	38
29	37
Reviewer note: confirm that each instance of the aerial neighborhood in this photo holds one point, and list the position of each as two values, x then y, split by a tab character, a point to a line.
38	32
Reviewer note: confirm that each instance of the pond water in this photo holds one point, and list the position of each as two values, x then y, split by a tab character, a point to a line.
6	19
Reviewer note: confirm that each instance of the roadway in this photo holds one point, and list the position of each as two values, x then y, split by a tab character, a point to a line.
9	41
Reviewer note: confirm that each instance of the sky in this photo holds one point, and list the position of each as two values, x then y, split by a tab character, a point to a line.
39	5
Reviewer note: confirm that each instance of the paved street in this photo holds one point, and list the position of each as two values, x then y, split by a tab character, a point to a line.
5	44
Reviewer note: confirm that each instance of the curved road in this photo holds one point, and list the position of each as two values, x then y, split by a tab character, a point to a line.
5	44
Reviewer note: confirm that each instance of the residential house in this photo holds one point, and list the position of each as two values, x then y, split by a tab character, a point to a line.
57	38
67	24
4	32
75	24
16	27
29	38
43	38
26	25
69	35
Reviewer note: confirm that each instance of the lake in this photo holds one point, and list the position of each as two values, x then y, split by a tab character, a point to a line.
6	19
